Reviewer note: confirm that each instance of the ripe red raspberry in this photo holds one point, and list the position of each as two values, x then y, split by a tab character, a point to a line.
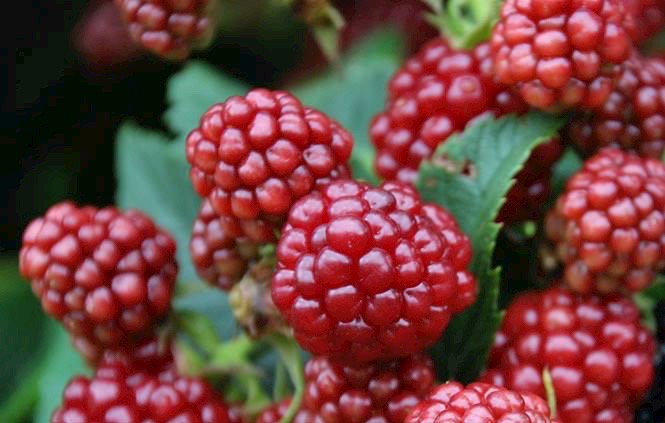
107	275
369	273
375	393
598	355
170	28
125	391
439	92
274	413
254	156
608	226
479	402
649	16
633	117
220	249
556	52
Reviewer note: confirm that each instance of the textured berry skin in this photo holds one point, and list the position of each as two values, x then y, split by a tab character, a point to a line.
125	390
369	273
438	92
649	16
254	156
598	355
633	117
169	28
556	52
375	393
479	402
608	227
107	275
219	248
274	413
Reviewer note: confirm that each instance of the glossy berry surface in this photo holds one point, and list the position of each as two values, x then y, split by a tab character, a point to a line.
368	273
254	156
374	393
437	93
134	389
274	413
556	53
632	118
107	275
169	28
597	353
452	402
608	226
220	248
649	16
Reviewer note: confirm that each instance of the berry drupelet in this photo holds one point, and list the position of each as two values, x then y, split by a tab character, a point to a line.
649	16
254	156
479	402
596	351
107	275
170	28
368	273
274	412
140	389
219	248
608	226
375	393
437	93
633	117
557	53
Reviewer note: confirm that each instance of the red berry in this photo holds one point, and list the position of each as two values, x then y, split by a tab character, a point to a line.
170	28
598	355
649	16
275	412
101	37
437	93
220	249
633	117
133	389
556	53
369	273
254	156
479	402
375	393
107	275
608	226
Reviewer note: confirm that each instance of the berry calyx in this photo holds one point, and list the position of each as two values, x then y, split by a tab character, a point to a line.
596	351
608	226
557	53
107	275
170	29
453	402
368	273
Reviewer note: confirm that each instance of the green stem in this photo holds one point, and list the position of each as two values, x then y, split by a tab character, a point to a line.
289	353
550	392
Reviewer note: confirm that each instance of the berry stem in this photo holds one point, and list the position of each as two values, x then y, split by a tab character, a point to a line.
291	357
465	23
550	393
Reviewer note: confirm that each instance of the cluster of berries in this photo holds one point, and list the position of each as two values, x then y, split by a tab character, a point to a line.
367	278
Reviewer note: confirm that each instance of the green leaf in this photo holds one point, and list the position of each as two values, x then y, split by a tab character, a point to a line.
647	301
192	91
466	23
60	365
569	163
22	326
470	176
153	177
356	91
